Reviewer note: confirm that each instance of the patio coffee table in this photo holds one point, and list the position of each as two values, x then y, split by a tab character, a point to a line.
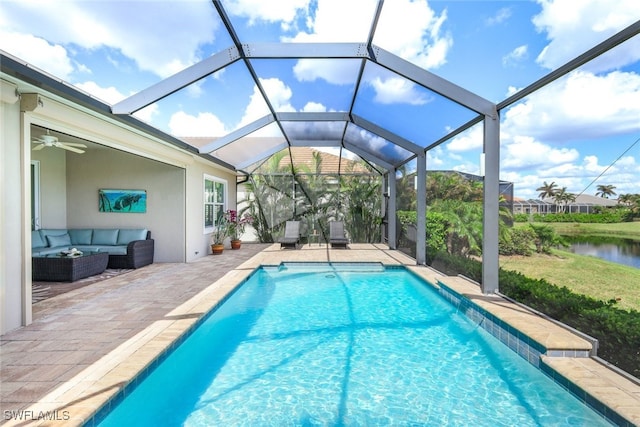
58	268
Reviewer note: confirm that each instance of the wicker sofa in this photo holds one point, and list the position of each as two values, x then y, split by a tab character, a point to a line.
127	247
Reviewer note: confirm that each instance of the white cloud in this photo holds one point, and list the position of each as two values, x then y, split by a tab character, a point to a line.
468	167
333	21
515	56
99	24
279	94
204	124
526	153
336	72
112	95
336	21
52	58
581	106
395	90
577	175
467	141
109	95
421	40
284	11
314	107
574	27
501	16
435	158
524	185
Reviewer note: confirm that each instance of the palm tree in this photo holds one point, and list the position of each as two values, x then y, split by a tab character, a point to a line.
632	201
606	191
463	225
547	190
451	185
270	200
562	197
362	199
625	199
319	197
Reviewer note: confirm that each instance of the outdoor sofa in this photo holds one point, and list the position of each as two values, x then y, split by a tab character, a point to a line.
127	247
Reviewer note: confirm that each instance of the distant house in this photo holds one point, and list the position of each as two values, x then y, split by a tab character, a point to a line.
584	203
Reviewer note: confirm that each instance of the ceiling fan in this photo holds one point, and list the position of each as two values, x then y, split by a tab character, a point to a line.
52	141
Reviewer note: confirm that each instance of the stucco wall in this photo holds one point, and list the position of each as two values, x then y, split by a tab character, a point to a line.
12	253
109	168
198	242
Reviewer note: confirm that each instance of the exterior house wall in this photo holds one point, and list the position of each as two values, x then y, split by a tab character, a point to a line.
109	168
11	207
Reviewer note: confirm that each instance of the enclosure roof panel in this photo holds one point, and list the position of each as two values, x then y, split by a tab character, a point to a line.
334	90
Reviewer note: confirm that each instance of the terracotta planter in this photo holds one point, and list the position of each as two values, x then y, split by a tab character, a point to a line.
217	249
235	244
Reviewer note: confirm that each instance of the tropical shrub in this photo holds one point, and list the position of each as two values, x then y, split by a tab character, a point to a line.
361	198
436	229
517	241
545	238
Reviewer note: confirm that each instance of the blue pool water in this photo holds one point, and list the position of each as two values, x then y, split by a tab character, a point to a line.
333	345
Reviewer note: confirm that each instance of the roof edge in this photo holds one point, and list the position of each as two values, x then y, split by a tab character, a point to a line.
27	73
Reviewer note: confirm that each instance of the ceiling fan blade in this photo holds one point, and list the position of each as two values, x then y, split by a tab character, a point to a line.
66	147
38	147
73	144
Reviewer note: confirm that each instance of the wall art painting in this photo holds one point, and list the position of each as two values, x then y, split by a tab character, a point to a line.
122	201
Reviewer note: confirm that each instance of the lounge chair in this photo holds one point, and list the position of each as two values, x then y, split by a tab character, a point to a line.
337	238
291	236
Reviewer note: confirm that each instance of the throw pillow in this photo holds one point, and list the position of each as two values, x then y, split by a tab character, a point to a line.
62	240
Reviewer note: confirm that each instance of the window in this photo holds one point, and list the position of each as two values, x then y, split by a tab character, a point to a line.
215	201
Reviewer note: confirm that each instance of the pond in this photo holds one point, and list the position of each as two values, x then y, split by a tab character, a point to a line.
621	251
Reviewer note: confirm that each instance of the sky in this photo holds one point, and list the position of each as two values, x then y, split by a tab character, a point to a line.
581	131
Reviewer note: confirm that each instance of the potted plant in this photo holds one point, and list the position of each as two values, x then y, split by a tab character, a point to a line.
220	233
236	227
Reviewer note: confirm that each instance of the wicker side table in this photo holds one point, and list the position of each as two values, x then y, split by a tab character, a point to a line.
55	268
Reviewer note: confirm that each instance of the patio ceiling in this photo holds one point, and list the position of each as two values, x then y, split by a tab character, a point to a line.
351	120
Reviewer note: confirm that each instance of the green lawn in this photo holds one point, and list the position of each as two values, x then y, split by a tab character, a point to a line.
628	230
582	274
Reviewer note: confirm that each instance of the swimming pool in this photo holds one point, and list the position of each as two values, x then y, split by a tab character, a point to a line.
320	344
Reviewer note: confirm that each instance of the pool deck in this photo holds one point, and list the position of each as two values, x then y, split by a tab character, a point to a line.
86	345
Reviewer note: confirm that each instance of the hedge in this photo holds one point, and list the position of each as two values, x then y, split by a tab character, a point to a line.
606	217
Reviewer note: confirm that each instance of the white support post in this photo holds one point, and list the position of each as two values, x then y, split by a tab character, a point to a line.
393	232
421	208
490	261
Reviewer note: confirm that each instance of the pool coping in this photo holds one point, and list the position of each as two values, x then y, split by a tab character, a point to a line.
82	397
